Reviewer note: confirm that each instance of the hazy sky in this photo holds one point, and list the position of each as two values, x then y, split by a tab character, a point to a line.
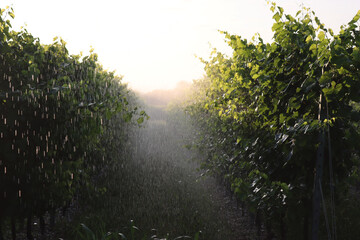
153	43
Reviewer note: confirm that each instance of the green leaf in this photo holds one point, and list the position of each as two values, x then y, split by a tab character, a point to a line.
342	71
308	39
281	118
355	19
338	87
140	120
276	17
281	10
325	78
255	76
197	236
88	231
122	236
356	54
321	35
328	91
312	47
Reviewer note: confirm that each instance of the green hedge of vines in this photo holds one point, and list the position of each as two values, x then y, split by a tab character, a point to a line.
259	117
55	108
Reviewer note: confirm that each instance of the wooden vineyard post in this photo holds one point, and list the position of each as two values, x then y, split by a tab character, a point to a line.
318	175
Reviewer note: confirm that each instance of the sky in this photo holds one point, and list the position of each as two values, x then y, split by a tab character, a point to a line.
156	43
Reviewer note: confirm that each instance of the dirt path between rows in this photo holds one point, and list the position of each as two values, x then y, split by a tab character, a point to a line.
164	139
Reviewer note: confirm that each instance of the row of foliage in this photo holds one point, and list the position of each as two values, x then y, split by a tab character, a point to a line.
58	114
260	122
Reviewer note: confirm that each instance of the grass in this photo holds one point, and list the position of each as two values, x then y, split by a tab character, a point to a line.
85	233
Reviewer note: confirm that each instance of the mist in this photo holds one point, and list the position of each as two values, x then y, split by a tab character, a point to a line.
174	194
